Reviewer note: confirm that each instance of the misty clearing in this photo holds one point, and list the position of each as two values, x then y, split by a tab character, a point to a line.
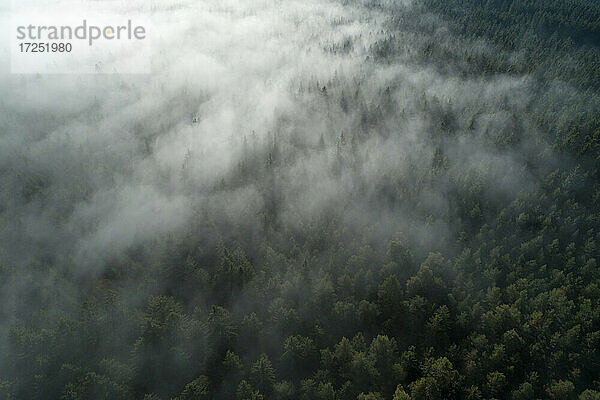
319	200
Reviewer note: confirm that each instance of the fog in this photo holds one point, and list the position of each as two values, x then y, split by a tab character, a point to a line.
260	116
93	164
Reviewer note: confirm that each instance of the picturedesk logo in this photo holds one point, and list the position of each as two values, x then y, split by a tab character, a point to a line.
63	40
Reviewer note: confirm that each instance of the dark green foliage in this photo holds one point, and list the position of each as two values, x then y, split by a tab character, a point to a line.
501	302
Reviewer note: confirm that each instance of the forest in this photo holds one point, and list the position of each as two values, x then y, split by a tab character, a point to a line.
320	200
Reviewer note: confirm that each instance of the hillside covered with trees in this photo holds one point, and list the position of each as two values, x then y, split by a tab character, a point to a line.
392	201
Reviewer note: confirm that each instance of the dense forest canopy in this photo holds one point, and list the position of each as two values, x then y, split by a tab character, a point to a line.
320	200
